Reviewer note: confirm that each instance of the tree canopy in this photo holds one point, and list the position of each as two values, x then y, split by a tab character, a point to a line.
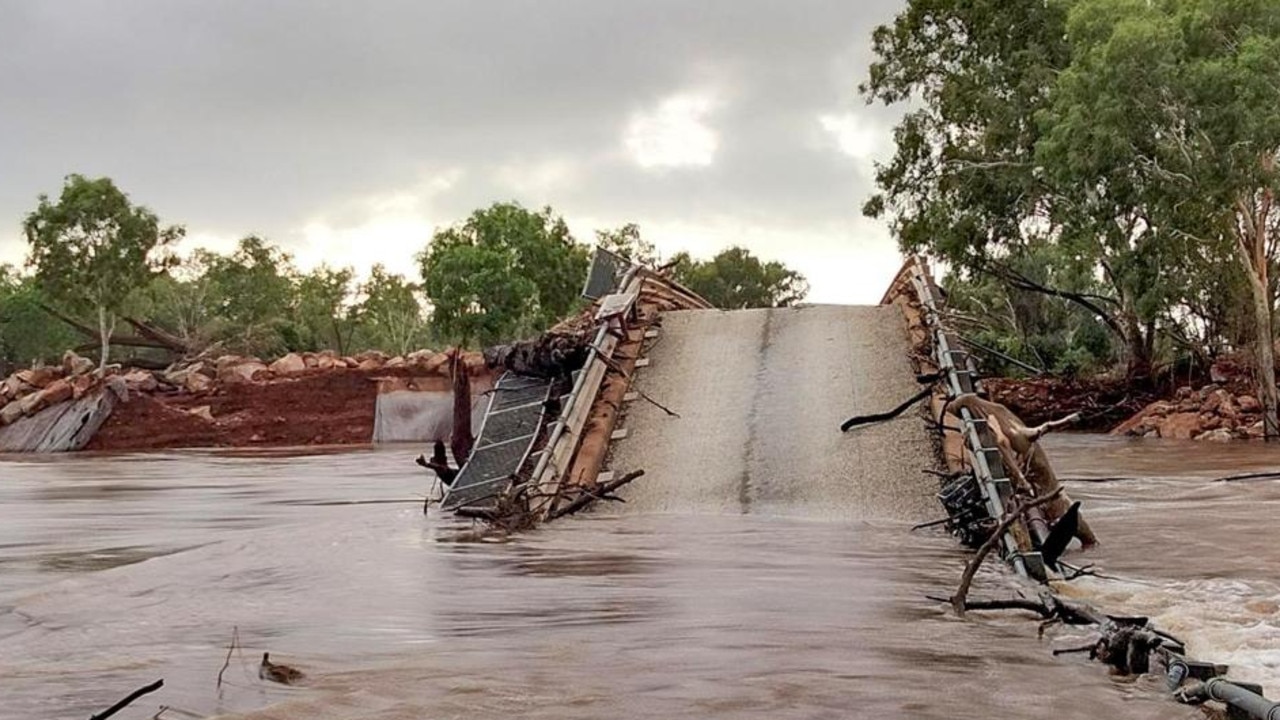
1106	154
503	273
735	279
93	248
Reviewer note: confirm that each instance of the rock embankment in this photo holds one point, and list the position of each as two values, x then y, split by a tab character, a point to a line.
1212	413
232	400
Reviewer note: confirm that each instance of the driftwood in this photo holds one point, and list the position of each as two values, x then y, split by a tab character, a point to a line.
235	641
1019	507
589	495
128	699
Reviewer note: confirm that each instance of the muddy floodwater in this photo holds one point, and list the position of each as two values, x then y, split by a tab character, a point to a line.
119	570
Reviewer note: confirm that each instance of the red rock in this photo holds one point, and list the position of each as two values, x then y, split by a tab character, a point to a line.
1248	403
58	391
141	380
1219	435
1184	425
1146	416
241	373
39	377
1213	400
11	412
288	364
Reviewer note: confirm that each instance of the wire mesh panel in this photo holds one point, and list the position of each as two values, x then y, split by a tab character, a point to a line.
607	269
511	425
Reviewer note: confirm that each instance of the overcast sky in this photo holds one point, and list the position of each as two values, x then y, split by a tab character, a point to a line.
347	132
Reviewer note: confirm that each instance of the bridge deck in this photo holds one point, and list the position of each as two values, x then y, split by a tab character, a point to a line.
761	395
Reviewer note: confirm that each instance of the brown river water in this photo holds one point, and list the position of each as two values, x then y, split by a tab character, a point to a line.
118	570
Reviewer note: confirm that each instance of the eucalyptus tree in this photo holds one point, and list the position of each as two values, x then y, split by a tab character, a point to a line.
966	183
1167	123
92	248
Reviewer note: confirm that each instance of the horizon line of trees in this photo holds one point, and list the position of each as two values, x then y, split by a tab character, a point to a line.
99	267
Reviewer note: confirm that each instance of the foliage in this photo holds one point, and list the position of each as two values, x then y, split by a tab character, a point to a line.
735	279
322	318
503	273
1122	142
391	314
93	248
26	334
627	242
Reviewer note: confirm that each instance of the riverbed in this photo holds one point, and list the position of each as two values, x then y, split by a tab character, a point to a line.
116	570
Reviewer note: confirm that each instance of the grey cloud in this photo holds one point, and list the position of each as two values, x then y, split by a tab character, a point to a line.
239	116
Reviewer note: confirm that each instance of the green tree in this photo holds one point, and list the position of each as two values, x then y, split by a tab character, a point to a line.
250	294
321	309
627	242
504	272
965	183
391	314
26	332
92	248
1168	121
736	279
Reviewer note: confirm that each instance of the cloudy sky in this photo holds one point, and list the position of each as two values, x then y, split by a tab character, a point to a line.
346	132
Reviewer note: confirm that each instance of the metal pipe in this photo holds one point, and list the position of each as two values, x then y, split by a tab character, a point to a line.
1241	698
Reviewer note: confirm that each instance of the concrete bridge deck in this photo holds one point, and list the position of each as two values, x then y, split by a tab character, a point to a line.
761	395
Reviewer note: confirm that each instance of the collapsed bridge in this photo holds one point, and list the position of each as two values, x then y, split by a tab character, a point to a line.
740	412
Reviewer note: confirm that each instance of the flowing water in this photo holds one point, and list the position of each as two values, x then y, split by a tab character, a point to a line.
118	570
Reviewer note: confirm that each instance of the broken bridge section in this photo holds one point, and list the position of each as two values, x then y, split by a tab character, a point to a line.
760	395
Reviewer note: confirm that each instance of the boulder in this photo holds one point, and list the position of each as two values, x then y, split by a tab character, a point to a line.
10	413
1209	421
39	377
196	382
350	362
118	387
1218	435
176	377
242	372
141	380
377	357
396	361
1146	417
289	364
325	361
73	364
438	364
418	357
1214	400
80	385
1248	403
310	359
31	403
58	391
1183	425
1255	430
14	387
204	412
